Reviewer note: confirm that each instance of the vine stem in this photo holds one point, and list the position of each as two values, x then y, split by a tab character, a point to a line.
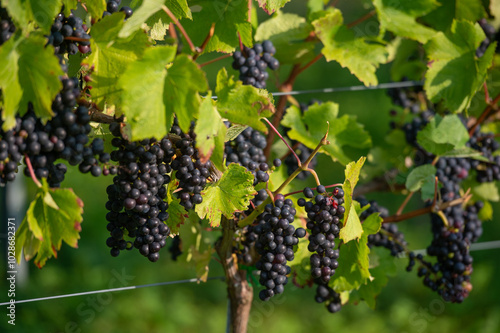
240	292
215	60
251	218
361	19
32	173
282	139
485	114
314	188
77	39
280	108
426	210
205	42
181	28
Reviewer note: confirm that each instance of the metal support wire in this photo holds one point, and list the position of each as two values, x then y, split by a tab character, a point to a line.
474	247
389	85
113	290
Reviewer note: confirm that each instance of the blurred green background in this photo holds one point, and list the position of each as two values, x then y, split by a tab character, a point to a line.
405	305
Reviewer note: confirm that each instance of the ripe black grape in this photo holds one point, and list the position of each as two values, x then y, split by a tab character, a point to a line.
7	28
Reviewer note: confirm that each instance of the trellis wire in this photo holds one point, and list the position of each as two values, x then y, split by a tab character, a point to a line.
474	247
388	85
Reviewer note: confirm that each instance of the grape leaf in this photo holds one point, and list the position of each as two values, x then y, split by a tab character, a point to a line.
453	59
400	18
42	13
95	7
352	228
53	216
486	191
419	176
287	32
310	127
242	104
442	135
69	5
184	81
234	131
360	55
408	61
270	6
386	267
442	17
352	171
230	194
210	132
177	213
24	80
142	86
486	213
230	18
197	245
353	270
141	14
111	55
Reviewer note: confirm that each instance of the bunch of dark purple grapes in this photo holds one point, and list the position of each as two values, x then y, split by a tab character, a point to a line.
325	294
190	171
450	275
69	35
247	150
135	199
7	28
112	7
275	240
253	62
324	215
65	136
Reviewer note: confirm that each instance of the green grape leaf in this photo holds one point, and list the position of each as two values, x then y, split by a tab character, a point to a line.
287	32
230	18
466	152
197	245
69	5
23	13
53	216
184	82
442	17
419	176
177	214
486	213
385	268
408	61
453	59
159	21
352	228
400	18
360	55
228	195
352	171
242	104
353	270
141	14
443	134
142	85
95	7
270	6
486	191
210	132
111	56
310	127
24	80
233	131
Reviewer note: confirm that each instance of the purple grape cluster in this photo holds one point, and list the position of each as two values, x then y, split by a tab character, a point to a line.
324	215
113	6
135	199
253	62
63	29
275	240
